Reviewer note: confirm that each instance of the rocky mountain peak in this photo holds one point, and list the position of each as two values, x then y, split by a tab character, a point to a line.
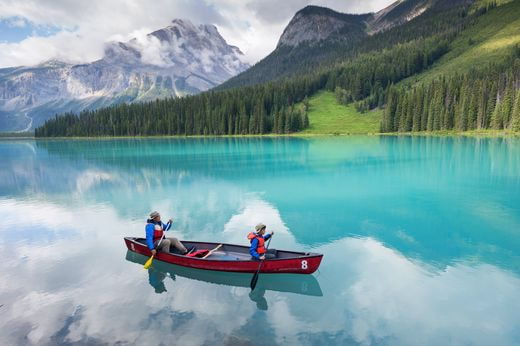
180	59
403	11
184	28
397	13
195	47
313	24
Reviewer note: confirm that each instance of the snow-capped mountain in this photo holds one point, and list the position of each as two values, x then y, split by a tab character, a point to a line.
178	60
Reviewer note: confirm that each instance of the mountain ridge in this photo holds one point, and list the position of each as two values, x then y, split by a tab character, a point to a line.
180	59
326	36
458	41
316	23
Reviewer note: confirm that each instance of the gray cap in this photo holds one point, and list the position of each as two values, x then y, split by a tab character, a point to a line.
260	227
154	214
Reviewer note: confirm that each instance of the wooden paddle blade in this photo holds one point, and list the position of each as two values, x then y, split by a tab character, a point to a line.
148	263
254	280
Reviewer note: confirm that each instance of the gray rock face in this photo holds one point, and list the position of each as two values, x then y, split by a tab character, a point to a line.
403	11
181	59
313	24
396	14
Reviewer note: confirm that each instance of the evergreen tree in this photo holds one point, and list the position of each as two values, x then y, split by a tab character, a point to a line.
491	105
496	117
515	116
507	106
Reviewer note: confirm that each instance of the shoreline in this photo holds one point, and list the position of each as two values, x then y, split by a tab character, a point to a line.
472	133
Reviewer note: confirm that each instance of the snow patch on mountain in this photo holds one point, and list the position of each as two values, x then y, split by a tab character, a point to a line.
181	59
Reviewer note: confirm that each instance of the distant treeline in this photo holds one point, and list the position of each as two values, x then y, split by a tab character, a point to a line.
489	98
16	134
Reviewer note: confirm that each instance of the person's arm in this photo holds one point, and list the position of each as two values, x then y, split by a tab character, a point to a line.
252	249
149	235
167	226
267	236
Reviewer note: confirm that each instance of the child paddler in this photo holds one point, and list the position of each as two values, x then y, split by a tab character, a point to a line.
257	239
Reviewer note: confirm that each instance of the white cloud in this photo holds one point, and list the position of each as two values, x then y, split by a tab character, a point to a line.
90	178
253	26
152	50
254	211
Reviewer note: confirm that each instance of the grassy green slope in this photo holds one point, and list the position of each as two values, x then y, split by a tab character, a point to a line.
483	3
491	40
327	116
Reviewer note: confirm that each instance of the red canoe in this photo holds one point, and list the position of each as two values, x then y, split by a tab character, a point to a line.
234	258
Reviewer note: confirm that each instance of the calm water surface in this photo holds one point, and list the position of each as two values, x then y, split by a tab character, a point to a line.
421	238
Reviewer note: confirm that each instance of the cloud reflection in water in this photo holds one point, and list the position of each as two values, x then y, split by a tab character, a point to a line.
80	288
408	259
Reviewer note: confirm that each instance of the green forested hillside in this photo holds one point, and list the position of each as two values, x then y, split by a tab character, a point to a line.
489	41
446	17
474	86
480	100
453	67
286	60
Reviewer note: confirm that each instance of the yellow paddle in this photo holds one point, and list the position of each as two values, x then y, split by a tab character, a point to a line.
148	263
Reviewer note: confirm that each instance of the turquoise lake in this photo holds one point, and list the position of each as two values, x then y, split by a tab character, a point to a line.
420	236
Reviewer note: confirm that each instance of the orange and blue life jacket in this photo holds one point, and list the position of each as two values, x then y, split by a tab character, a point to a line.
257	247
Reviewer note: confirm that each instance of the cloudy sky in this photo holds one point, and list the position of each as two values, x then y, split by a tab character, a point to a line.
33	31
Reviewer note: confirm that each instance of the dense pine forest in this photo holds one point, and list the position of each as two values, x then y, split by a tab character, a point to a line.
253	110
372	75
478	100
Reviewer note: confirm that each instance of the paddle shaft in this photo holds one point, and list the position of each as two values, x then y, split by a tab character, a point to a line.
163	236
160	241
209	253
254	279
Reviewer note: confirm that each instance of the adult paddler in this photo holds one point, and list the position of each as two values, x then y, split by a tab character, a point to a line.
155	229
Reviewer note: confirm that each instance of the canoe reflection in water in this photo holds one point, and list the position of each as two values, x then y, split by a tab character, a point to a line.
156	279
292	283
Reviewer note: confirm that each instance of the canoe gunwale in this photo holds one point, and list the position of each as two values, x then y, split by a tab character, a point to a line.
302	255
299	263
